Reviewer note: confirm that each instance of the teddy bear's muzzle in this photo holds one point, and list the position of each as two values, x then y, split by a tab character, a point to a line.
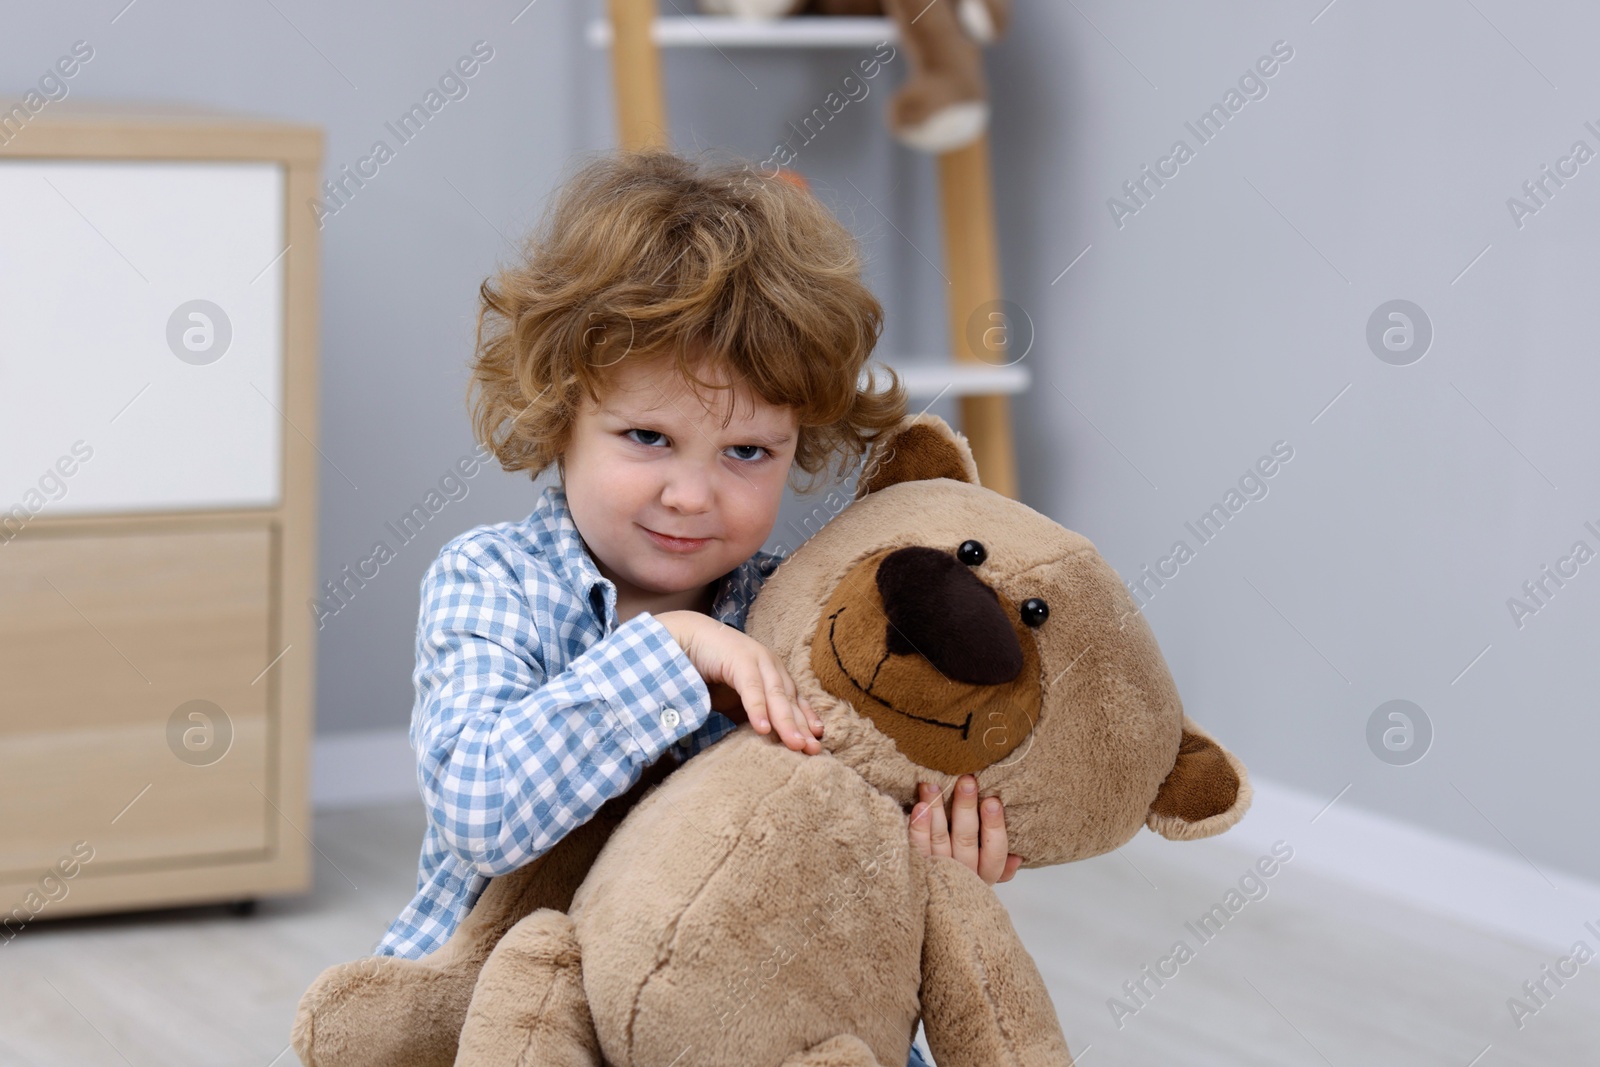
939	609
943	665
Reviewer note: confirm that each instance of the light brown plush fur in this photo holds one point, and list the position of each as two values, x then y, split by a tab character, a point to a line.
760	907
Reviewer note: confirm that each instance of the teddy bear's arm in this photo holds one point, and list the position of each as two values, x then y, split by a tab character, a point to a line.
983	1001
383	1010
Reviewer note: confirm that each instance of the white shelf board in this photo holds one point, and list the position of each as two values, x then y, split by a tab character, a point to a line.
724	31
927	379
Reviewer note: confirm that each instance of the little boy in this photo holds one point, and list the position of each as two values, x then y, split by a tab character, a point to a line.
560	656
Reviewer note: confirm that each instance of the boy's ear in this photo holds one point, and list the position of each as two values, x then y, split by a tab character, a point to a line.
1206	791
923	446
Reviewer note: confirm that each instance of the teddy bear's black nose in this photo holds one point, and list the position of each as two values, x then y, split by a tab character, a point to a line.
939	609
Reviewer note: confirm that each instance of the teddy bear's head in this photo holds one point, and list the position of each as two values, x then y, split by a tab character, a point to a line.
939	629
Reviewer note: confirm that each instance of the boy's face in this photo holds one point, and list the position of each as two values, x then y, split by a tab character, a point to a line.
654	456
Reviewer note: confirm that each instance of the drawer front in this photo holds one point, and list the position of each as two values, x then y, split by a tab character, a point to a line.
141	337
136	708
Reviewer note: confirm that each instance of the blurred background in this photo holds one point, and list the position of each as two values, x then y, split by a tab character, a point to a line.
1375	279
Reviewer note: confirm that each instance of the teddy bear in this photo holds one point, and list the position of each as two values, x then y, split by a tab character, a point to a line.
943	104
759	906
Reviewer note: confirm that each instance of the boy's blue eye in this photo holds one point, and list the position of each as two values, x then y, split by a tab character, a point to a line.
760	451
653	433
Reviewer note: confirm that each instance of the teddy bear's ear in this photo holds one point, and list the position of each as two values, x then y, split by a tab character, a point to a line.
922	446
1206	792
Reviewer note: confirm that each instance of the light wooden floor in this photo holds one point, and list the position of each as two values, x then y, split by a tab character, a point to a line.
1312	974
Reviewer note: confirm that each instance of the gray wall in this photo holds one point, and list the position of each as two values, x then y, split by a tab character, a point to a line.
1230	310
1223	316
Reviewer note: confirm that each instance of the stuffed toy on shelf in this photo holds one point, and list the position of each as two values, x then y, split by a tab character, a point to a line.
759	907
944	103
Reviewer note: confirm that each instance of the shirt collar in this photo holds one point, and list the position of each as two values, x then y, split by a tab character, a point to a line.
553	520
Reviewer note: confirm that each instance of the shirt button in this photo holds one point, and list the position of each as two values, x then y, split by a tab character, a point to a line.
670	718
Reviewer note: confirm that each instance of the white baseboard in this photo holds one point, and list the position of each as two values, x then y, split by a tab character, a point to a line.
1486	889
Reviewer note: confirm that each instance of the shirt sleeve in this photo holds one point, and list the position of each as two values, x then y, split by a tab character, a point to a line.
717	727
510	760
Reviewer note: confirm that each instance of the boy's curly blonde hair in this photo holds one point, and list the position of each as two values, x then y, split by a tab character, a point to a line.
646	254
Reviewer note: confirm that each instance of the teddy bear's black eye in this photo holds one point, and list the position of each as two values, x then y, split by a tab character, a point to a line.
1035	611
971	553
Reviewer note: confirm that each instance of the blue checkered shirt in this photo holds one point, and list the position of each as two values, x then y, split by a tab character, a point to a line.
534	706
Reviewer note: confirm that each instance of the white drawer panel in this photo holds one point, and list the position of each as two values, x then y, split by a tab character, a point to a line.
98	260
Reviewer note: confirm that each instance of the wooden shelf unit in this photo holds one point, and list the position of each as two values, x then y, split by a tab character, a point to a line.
720	31
158	487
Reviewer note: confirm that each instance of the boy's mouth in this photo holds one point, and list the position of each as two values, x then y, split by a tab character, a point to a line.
676	544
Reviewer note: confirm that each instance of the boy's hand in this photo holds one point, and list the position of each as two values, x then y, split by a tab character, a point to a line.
747	682
987	855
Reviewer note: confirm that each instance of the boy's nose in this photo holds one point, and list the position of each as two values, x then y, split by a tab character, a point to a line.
687	491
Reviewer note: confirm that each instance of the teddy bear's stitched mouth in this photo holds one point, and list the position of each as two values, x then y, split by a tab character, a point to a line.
963	726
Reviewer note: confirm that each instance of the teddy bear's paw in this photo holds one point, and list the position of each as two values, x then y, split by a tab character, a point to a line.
751	9
529	1005
380	1011
842	1050
943	130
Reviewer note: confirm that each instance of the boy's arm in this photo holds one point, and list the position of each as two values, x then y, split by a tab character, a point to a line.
510	760
747	582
